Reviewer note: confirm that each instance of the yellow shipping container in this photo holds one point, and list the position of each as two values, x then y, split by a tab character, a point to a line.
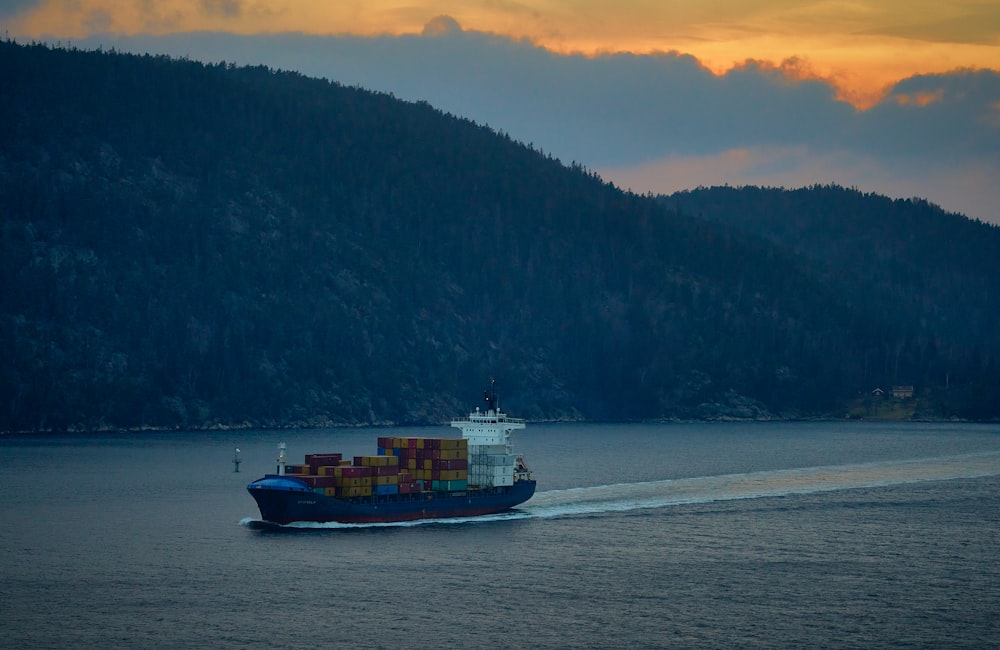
385	480
379	461
454	443
428	464
454	454
454	474
354	491
330	492
411	463
327	470
353	481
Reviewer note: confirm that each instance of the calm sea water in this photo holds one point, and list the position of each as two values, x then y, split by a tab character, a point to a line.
847	535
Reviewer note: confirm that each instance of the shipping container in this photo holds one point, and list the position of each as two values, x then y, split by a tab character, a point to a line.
385	489
376	461
356	481
450	486
459	463
319	481
364	491
352	471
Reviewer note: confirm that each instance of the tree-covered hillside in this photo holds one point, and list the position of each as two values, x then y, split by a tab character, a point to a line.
929	277
189	245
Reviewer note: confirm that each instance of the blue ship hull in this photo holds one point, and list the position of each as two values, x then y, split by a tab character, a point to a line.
284	499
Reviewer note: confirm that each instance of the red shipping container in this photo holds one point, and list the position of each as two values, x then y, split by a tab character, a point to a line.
355	471
316	460
320	481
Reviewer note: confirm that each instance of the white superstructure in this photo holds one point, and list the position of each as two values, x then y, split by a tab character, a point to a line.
491	461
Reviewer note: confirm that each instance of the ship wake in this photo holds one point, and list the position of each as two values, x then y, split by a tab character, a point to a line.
757	485
624	497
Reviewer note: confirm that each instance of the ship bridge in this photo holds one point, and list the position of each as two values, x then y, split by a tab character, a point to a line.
490	427
491	461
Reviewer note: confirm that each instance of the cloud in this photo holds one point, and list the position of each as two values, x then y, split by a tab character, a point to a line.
961	22
10	8
635	116
225	8
861	45
441	26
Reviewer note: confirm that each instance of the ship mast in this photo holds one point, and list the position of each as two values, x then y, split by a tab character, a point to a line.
281	459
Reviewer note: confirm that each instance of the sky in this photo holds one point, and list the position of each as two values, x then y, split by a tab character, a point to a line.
898	97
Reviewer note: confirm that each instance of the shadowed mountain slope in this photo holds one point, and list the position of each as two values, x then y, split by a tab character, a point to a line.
189	245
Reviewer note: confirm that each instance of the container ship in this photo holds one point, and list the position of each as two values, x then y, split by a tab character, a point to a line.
406	480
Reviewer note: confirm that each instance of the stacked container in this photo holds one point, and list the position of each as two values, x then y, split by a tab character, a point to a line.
402	466
435	463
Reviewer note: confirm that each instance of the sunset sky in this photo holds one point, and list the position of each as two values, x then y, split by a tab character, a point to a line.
907	91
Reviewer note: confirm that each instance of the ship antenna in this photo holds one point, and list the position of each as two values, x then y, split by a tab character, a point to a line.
491	396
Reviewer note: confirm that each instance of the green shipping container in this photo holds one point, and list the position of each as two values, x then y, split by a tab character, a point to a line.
450	486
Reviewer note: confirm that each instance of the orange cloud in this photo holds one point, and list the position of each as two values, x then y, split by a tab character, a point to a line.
861	46
919	99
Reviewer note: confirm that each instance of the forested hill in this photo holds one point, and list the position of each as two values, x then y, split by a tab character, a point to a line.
189	245
929	276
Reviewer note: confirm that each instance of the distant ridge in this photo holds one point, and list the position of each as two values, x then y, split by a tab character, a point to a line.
187	246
